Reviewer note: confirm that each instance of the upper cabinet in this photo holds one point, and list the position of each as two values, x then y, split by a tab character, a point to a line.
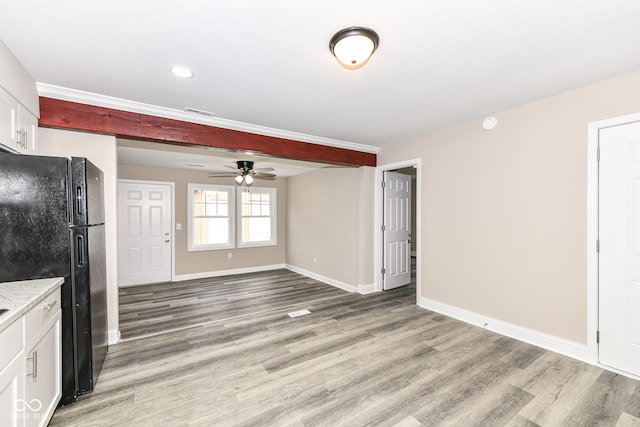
19	105
18	126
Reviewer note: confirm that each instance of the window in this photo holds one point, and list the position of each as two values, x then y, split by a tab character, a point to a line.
211	211
257	217
212	217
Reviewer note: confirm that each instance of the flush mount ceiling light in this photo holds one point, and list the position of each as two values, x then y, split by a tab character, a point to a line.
353	46
182	72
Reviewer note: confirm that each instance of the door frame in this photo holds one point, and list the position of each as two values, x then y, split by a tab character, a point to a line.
592	233
378	200
172	185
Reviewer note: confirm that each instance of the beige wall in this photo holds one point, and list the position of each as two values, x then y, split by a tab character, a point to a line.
504	212
330	217
196	262
100	150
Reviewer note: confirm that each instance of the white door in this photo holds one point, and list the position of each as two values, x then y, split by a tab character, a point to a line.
144	233
396	230
619	257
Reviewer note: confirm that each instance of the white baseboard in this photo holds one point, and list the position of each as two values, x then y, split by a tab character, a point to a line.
367	289
320	278
244	270
113	336
559	345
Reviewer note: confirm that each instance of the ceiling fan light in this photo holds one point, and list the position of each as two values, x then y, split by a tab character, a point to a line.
248	179
353	46
239	179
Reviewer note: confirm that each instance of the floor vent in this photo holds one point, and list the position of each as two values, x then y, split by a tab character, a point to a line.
299	313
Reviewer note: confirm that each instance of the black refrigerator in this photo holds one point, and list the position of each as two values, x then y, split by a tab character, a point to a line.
52	225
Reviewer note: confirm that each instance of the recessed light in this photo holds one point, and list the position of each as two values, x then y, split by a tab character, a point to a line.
182	72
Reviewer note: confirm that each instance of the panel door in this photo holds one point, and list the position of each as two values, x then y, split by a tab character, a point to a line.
397	230
619	234
144	233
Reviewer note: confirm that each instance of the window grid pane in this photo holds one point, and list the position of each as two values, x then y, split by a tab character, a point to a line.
256	217
211	220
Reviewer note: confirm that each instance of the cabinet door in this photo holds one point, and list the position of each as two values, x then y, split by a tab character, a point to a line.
8	120
12	408
42	380
27	132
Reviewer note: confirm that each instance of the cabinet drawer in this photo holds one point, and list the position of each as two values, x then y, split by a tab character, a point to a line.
38	316
11	342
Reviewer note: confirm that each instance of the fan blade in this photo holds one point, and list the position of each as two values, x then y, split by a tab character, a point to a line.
263	175
231	167
221	174
264	169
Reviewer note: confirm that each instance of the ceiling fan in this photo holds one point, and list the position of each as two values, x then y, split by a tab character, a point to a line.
245	173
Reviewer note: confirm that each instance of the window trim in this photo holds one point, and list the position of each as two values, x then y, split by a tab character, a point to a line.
232	217
273	200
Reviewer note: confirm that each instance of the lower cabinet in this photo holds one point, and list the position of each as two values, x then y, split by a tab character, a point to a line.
30	382
12	391
42	375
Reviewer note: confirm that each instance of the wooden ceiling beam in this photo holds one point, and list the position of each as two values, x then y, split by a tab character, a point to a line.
60	114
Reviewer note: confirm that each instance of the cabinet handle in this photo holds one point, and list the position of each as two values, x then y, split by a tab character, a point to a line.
22	138
34	357
48	306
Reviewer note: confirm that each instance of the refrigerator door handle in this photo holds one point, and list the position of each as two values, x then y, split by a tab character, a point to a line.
79	200
80	250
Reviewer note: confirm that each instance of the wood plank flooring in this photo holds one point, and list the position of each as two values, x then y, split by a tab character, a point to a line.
375	360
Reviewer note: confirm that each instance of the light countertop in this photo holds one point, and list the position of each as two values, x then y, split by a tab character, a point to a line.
21	296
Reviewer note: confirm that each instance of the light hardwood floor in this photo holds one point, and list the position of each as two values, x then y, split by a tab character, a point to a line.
354	361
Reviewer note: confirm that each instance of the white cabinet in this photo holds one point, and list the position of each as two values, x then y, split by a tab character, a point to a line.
42	361
18	126
11	392
27	133
12	376
30	369
8	120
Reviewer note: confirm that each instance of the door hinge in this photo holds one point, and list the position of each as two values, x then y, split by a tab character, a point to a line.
598	245
597	337
598	155
384	184
383	271
384	228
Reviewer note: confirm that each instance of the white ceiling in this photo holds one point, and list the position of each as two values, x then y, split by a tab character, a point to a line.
267	63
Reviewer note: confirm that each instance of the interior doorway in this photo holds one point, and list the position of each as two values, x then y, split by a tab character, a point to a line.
398	226
619	248
613	257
